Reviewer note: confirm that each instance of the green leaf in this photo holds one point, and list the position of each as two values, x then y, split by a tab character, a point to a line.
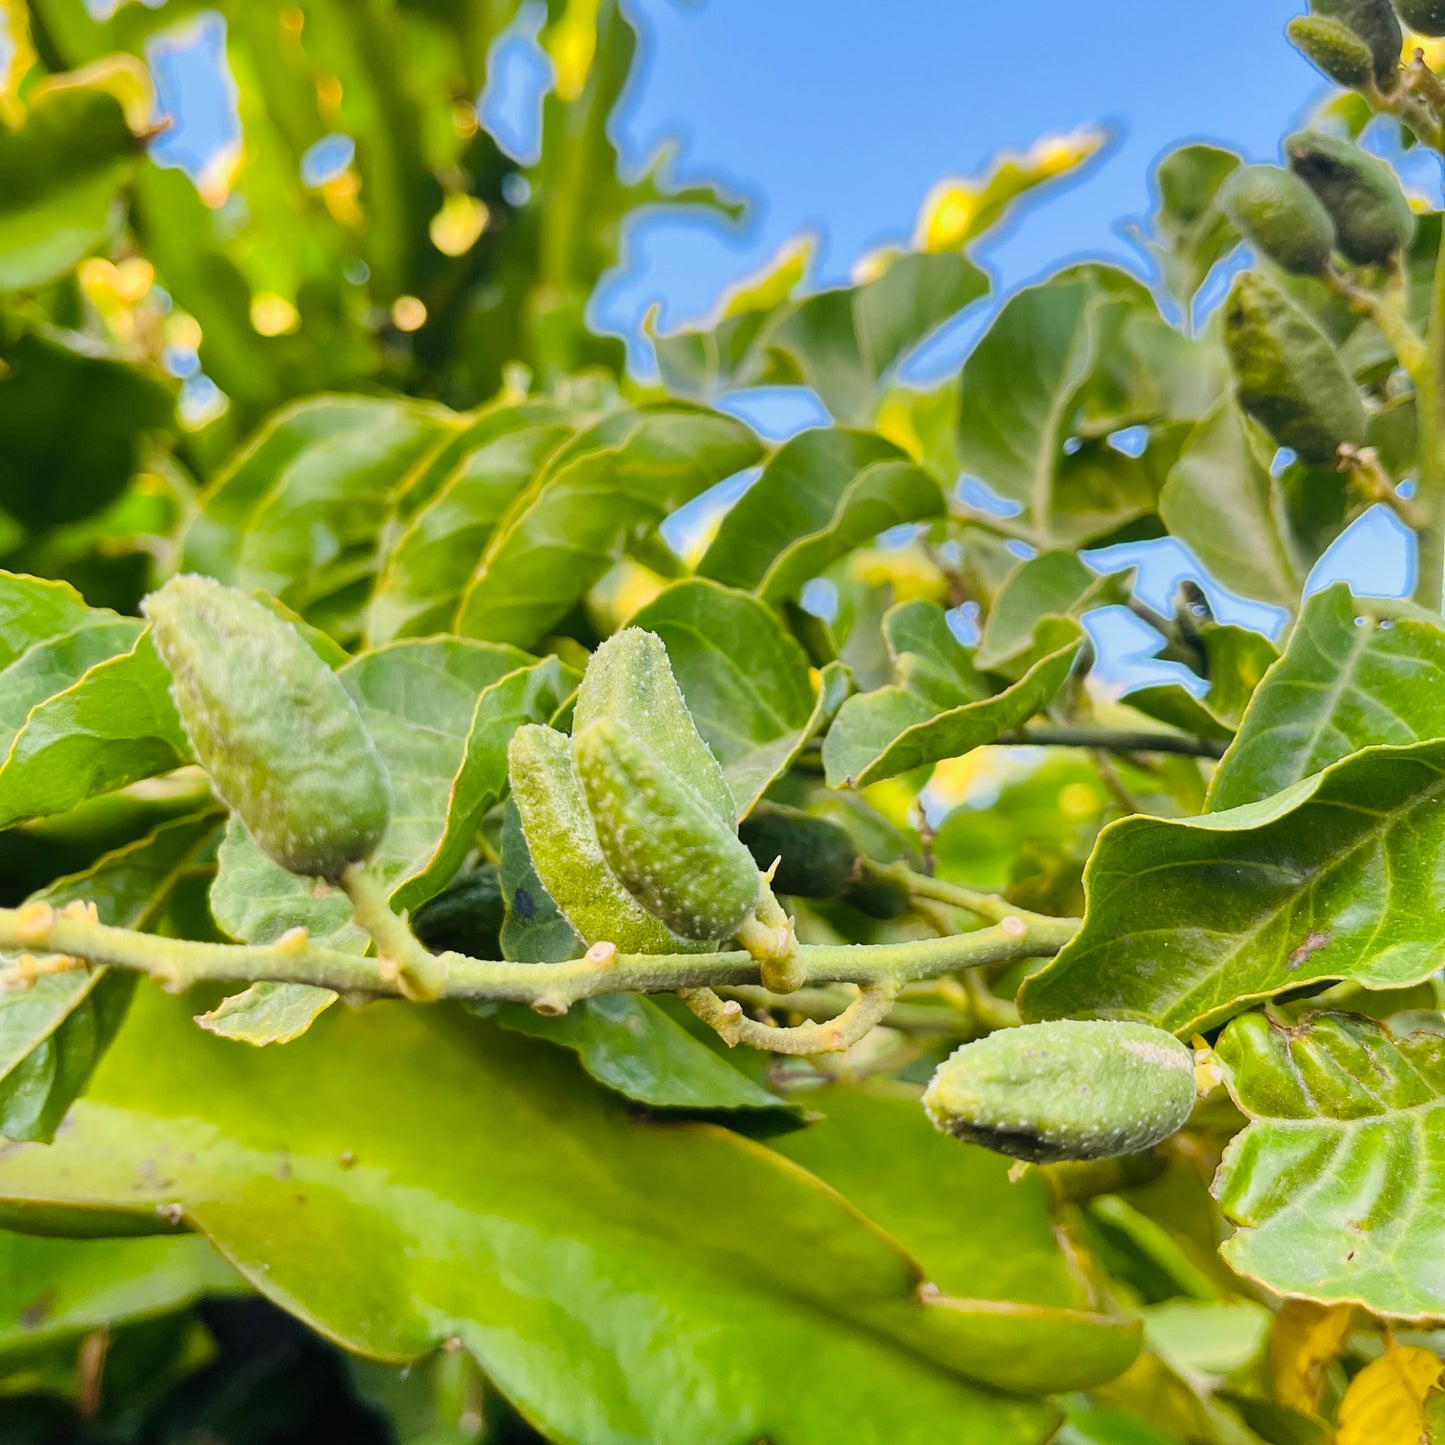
1053	584
629	1044
610	486
942	706
747	683
33	609
1190	919
431	563
297	511
1235	661
330	1174
53	1290
267	1013
420	700
115	725
1355	672
1004	1282
1223	503
1332	1183
1191	234
61	176
534	929
844	343
52	1033
822	494
45	384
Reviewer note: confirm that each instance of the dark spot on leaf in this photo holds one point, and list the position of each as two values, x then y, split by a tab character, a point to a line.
522	904
38	1310
1314	941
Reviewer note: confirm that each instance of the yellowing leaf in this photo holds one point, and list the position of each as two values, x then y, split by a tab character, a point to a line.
961	209
1385	1404
572	43
1306	1340
18	55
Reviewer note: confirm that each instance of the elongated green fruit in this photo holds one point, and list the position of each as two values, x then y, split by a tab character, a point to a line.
1373	220
1065	1090
565	851
629	679
669	848
1281	216
1424	17
820	860
1333	48
1287	374
272	725
1375	23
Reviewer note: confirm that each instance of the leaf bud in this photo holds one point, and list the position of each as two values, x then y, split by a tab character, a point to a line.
1281	216
1373	220
1333	48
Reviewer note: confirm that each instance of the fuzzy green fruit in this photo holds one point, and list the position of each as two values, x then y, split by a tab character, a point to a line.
629	679
662	839
1424	17
273	726
1333	48
564	848
1287	374
1373	220
1065	1090
1281	216
1375	23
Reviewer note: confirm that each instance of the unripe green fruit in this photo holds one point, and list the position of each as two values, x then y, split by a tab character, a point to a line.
820	860
1065	1090
816	858
1281	216
1375	23
1424	17
1373	220
1287	374
1333	48
564	849
629	679
666	844
272	725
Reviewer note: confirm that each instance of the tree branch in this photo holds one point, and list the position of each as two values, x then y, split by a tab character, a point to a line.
1113	740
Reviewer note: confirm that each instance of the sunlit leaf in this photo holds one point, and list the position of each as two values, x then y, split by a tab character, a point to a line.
1331	1185
942	706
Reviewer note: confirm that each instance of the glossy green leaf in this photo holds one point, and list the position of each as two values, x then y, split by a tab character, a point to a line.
432	561
52	1033
61	176
942	706
1235	662
319	1169
611	485
297	511
822	494
631	1045
1355	672
33	609
1004	1281
53	1290
1332	1185
1190	919
747	682
1042	377
114	725
843	343
1222	501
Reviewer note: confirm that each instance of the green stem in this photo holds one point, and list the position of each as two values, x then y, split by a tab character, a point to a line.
988	906
1388	314
419	973
547	987
1430	483
1113	740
